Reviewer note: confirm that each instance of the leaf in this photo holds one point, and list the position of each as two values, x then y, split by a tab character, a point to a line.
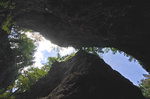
6	25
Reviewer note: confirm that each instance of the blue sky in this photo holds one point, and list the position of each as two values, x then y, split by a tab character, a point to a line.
130	70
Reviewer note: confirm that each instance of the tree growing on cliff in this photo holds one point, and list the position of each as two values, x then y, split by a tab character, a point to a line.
24	81
21	49
29	77
145	86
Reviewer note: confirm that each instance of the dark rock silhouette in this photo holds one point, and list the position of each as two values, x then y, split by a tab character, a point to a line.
7	70
85	76
123	24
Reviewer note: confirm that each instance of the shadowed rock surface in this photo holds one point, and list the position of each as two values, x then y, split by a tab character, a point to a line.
85	76
123	24
7	70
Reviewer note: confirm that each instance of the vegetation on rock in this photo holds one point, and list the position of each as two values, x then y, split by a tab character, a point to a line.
17	53
6	8
29	77
17	50
145	86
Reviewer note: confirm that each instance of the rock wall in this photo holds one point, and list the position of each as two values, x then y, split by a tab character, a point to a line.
7	70
85	76
123	24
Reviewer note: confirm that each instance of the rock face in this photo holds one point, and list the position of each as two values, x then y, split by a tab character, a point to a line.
7	70
84	76
6	55
123	24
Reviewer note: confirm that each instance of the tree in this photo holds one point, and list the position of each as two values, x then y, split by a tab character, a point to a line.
27	78
24	81
17	52
30	76
23	50
7	71
93	50
145	86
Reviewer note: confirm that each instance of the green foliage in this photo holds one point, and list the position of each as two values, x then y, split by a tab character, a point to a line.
114	51
6	7
69	56
59	58
51	60
97	51
23	48
7	94
4	4
7	4
30	77
6	25
93	50
25	81
145	86
130	57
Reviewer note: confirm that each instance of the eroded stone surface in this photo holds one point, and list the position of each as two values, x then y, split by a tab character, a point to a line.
102	23
84	76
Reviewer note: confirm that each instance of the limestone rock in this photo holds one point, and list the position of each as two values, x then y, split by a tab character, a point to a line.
84	76
123	24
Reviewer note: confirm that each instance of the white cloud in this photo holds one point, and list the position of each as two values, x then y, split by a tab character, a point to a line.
66	51
38	57
45	45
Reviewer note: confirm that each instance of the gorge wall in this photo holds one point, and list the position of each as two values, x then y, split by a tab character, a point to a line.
84	76
123	24
102	23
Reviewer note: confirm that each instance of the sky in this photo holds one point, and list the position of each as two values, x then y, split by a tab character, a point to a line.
130	70
47	49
